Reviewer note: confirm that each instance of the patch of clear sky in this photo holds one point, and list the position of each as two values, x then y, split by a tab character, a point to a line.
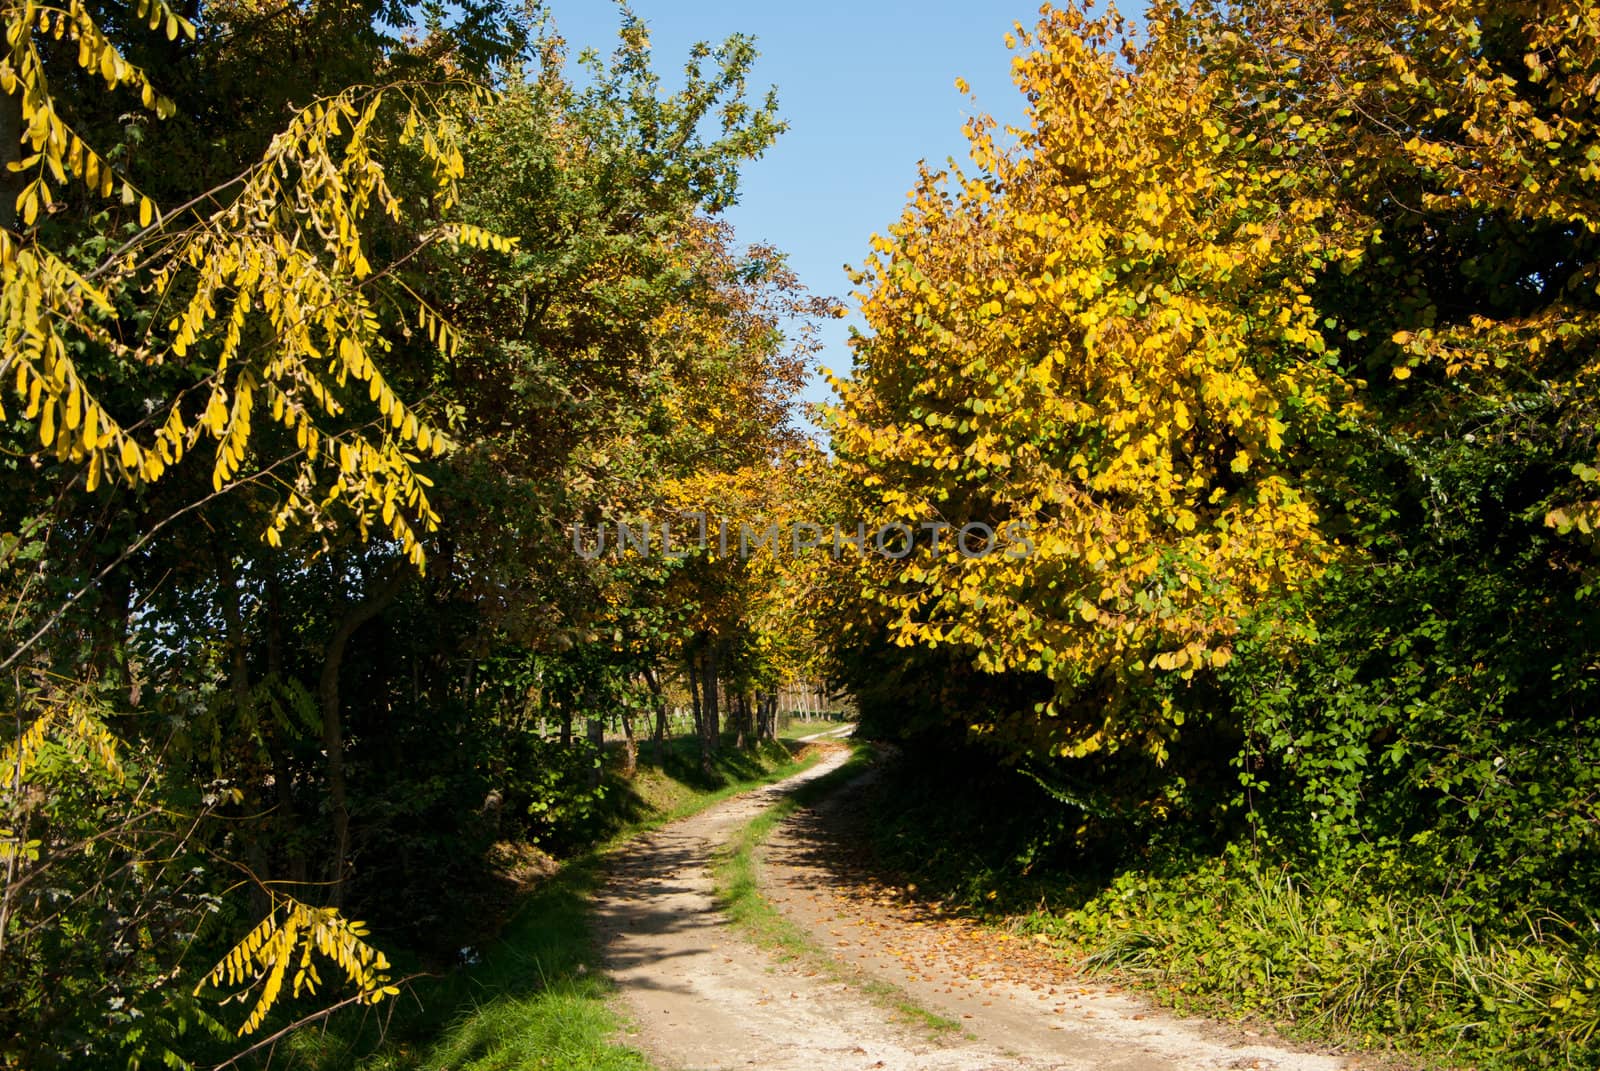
868	90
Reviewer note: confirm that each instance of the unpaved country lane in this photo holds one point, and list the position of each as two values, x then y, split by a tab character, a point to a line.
703	997
1003	989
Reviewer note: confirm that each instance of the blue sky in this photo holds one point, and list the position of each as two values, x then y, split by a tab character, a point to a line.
868	89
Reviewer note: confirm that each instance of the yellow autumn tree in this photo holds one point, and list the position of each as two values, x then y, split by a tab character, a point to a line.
1466	135
1099	345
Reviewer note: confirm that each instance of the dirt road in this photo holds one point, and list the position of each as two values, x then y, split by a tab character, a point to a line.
700	996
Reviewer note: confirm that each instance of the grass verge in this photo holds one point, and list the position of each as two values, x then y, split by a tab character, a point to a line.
1353	959
534	998
1351	965
738	888
799	728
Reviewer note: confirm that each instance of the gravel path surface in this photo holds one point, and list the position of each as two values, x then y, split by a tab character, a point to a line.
702	996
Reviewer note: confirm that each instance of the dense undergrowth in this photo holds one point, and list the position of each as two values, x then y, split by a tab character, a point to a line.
1350	962
1347	957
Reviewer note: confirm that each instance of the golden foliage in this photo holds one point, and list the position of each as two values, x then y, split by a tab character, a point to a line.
74	726
57	150
286	941
272	294
1103	339
1442	115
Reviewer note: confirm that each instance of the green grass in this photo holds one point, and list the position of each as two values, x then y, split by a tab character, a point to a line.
1344	963
678	786
798	728
738	890
537	999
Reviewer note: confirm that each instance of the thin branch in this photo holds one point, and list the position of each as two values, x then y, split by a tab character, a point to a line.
132	548
165	218
233	1060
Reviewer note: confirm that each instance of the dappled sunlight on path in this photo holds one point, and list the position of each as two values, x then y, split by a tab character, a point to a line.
1005	989
701	995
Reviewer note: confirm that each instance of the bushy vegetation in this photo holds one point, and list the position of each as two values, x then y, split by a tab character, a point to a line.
1352	960
1277	330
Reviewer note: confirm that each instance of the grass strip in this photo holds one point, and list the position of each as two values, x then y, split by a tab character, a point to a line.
738	890
536	999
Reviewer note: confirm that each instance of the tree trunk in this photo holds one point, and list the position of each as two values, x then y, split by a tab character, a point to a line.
286	821
595	732
230	600
712	727
699	713
630	747
767	716
332	719
749	719
660	737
